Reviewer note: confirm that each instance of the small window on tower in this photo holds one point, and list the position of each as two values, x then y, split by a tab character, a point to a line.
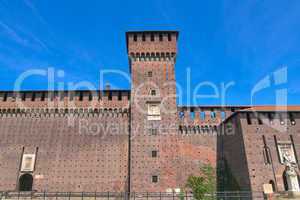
153	131
154	154
144	37
135	37
150	74
154	179
153	92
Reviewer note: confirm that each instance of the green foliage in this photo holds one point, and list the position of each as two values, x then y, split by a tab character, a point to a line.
181	195
205	185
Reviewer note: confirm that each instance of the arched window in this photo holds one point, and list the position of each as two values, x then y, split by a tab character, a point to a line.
25	182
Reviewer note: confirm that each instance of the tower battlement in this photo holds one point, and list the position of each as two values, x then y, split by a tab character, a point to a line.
152	43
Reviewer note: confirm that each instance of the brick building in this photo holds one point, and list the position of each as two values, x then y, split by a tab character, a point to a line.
139	139
251	151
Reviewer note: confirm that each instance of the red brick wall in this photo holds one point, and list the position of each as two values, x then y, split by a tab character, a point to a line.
69	158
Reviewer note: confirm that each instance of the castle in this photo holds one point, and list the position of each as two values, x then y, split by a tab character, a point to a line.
140	140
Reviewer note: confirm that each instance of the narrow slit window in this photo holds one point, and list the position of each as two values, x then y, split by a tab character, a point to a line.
249	121
152	37
259	119
281	119
119	96
160	37
33	96
80	96
271	117
24	96
43	96
109	95
266	152
169	37
292	119
5	96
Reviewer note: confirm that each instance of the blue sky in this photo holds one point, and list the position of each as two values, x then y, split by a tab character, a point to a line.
239	41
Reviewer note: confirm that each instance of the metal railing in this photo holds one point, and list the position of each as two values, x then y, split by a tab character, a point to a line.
239	195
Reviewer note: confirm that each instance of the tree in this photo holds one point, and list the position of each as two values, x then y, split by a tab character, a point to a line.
205	185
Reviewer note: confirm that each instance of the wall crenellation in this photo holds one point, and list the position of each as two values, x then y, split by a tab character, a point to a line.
62	99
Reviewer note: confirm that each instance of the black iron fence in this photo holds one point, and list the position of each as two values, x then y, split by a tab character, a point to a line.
126	196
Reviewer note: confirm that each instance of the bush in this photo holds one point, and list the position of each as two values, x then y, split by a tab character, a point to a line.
205	185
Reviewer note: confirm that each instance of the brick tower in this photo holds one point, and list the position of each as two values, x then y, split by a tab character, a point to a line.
152	56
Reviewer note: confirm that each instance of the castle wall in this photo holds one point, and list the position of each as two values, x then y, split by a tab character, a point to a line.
85	151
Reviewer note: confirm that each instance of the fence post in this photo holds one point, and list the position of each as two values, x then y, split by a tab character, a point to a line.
147	195
81	195
69	195
107	195
44	195
173	195
159	195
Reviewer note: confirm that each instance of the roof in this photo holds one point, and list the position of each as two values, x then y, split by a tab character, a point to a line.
270	108
266	108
